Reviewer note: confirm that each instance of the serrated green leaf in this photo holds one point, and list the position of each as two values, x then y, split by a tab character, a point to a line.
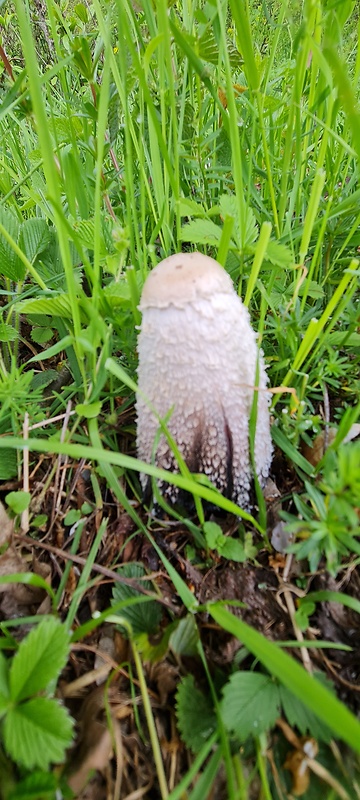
67	341
250	704
247	233
10	264
312	289
85	230
343	338
208	49
223	149
201	231
43	379
39	659
37	785
41	335
18	501
8	464
278	254
7	333
301	717
57	306
195	715
34	237
117	293
37	733
39	320
327	707
143	617
190	208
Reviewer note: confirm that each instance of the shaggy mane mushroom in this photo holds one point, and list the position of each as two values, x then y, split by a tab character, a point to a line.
198	355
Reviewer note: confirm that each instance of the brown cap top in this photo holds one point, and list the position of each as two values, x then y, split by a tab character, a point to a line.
184	278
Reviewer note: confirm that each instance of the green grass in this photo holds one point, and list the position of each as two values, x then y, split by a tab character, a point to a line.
117	149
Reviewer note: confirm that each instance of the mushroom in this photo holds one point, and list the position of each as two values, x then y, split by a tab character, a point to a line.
198	360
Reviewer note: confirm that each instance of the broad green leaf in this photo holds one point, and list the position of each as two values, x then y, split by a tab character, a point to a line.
39	659
233	549
213	534
143	617
88	410
37	785
37	733
185	637
226	546
34	237
195	714
72	516
310	691
201	231
18	501
250	704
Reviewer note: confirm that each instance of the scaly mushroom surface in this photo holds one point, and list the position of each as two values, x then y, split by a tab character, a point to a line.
198	356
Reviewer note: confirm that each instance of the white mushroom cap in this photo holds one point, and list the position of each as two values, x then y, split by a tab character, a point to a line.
183	278
198	356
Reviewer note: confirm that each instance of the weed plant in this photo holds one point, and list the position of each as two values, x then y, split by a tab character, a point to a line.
129	131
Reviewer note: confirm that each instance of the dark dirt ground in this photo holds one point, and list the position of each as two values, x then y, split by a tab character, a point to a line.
268	587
